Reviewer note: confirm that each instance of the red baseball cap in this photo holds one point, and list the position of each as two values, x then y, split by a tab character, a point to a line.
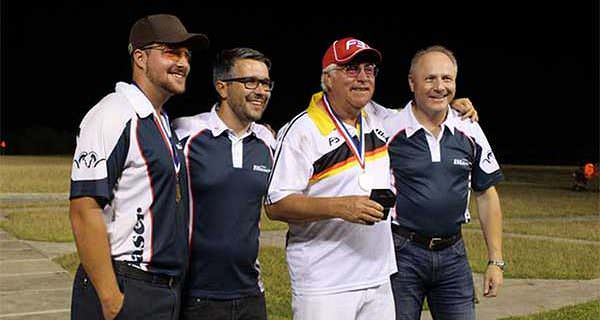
344	50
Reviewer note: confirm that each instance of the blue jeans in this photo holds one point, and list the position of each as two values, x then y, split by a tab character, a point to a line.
444	277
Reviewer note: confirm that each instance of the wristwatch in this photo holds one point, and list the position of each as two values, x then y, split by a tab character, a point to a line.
498	263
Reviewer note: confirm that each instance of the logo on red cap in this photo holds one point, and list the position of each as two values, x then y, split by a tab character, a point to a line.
344	50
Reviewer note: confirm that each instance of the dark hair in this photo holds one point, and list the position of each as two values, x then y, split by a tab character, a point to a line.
226	60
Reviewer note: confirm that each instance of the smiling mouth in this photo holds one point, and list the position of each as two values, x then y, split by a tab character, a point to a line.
258	103
178	75
443	97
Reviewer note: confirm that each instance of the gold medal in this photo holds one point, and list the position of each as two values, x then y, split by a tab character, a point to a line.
365	181
177	192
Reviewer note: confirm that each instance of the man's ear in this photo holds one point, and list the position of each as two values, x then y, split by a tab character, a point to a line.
139	58
328	81
221	88
411	84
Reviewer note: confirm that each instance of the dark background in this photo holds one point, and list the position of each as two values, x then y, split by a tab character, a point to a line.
532	72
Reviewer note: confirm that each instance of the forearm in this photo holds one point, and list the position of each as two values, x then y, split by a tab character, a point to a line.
91	238
490	218
297	208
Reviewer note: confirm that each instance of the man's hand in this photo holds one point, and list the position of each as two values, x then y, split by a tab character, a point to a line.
492	281
465	108
112	306
359	209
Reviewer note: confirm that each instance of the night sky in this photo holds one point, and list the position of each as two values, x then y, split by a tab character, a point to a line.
531	72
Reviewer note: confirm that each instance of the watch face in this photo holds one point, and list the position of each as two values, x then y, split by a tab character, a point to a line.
499	264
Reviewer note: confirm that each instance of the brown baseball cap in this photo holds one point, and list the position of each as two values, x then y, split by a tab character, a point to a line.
163	28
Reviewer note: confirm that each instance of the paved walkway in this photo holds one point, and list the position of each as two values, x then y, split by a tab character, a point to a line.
33	287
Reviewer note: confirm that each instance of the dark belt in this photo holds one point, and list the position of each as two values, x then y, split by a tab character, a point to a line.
429	243
124	269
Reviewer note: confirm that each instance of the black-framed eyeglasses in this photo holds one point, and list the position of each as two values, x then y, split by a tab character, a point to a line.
251	83
171	53
353	70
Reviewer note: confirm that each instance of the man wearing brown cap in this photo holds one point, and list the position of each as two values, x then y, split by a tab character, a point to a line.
129	207
340	252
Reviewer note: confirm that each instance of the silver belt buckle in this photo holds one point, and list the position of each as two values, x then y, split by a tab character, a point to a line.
433	241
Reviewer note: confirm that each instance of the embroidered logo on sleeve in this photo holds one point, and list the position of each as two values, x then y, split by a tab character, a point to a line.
488	163
87	160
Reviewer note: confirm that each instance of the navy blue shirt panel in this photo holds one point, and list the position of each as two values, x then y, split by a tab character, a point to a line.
226	208
170	219
432	197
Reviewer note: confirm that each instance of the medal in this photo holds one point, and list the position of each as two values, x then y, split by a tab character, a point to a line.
365	181
177	192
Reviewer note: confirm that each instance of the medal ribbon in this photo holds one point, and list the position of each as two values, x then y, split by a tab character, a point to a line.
168	140
163	132
357	150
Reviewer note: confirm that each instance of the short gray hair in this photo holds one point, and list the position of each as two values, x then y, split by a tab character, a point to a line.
327	69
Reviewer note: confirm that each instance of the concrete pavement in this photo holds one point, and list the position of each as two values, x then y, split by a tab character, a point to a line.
31	285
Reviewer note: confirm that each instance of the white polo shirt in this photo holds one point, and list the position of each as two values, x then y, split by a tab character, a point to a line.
312	159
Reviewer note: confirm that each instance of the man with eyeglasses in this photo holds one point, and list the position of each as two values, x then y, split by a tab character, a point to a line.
229	158
129	203
340	252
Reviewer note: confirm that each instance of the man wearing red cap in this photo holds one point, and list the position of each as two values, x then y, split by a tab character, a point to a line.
340	252
129	207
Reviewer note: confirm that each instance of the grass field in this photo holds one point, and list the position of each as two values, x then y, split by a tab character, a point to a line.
584	311
24	174
51	224
535	201
583	230
539	259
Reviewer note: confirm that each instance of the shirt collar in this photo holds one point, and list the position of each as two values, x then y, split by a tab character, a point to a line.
142	106
316	111
217	126
414	124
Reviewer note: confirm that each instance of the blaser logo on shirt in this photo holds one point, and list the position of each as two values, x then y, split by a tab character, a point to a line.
261	168
461	162
138	239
